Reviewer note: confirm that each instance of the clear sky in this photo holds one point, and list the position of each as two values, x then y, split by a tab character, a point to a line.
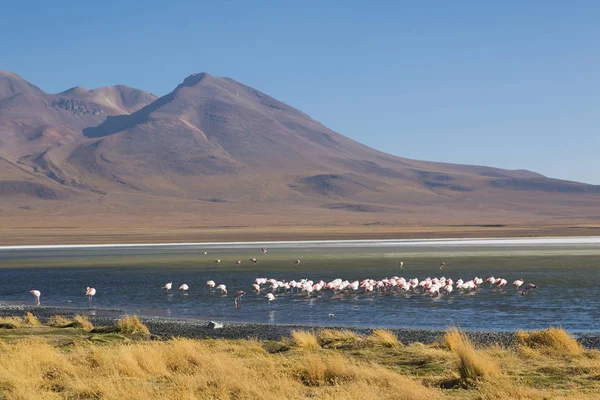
512	84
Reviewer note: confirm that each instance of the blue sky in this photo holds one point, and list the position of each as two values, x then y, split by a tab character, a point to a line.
512	84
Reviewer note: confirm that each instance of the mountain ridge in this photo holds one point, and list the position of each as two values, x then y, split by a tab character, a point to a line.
216	138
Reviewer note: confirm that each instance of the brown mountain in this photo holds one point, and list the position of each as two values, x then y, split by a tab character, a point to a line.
216	146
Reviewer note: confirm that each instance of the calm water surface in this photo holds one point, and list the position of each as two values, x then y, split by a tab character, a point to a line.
130	279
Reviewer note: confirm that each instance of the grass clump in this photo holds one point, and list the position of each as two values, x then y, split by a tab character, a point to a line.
131	324
305	340
78	321
31	320
336	339
384	338
82	322
471	365
10	322
550	340
58	321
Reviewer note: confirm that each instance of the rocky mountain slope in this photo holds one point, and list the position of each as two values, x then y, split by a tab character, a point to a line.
218	146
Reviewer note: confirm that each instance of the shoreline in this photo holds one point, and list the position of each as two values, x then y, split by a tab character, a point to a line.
58	234
424	242
168	327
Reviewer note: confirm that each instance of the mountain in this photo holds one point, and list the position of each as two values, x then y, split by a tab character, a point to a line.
214	145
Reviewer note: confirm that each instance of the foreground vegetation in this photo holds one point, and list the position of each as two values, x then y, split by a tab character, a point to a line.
72	359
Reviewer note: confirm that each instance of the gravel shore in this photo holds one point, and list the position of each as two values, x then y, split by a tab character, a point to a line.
200	329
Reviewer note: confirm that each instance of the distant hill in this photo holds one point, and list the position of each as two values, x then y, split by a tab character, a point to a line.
214	145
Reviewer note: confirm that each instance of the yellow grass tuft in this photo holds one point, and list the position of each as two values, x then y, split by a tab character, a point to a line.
383	337
82	322
10	322
552	340
58	321
131	324
334	338
31	320
471	365
305	340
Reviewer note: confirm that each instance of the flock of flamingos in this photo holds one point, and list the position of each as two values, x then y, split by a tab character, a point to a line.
306	287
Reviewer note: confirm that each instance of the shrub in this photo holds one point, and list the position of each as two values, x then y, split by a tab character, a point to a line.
131	324
471	365
551	340
305	340
384	337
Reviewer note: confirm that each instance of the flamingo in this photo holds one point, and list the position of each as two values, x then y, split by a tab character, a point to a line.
518	283
168	286
206	252
238	262
401	264
253	260
297	262
491	280
238	297
528	288
184	287
256	287
442	265
210	284
223	289
218	261
270	297
90	292
264	249
36	294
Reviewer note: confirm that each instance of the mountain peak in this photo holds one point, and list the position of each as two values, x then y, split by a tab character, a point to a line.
195	79
74	91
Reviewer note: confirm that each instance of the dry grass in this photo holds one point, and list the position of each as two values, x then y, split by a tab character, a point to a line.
31	320
193	369
78	321
472	366
82	322
11	322
131	324
305	340
336	339
109	366
28	320
551	340
384	337
58	321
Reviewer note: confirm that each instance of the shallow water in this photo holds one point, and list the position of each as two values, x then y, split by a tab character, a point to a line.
131	279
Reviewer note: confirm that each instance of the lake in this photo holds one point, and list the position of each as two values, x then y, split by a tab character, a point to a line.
129	278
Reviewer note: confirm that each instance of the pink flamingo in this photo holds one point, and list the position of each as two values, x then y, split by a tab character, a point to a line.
90	292
168	286
270	297
184	288
442	265
36	294
238	297
210	284
253	260
518	283
401	264
297	262
238	262
223	289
